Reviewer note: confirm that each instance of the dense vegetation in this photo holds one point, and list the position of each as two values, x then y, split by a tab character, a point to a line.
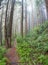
2	58
34	47
21	34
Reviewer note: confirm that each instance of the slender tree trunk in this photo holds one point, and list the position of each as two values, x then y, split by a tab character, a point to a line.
1	27
8	30
25	17
32	17
22	21
6	39
29	22
11	21
46	1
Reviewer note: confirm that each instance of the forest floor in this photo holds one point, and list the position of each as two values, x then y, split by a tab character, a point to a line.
12	56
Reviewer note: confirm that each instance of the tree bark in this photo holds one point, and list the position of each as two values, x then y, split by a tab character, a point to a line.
26	17
1	27
46	1
22	21
8	28
11	21
6	39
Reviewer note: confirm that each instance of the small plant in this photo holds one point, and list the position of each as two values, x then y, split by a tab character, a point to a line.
2	58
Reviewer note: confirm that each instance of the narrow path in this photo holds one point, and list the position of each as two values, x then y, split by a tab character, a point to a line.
12	56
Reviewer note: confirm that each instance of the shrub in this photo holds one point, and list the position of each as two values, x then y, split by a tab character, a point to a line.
33	47
2	58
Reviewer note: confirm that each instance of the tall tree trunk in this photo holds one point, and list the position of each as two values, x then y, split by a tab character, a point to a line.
25	17
46	1
11	21
1	27
22	21
6	39
8	30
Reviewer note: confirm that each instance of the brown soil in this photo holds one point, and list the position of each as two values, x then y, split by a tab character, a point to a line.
12	56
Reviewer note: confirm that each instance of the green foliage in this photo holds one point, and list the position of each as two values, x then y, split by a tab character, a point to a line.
24	51
33	47
43	59
19	39
2	58
39	2
3	42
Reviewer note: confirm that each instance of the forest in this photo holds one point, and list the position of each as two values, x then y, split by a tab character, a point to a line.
23	32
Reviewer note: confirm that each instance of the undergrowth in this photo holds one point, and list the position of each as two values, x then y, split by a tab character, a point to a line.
2	58
34	47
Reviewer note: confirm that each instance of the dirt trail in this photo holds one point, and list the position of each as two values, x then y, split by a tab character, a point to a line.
12	56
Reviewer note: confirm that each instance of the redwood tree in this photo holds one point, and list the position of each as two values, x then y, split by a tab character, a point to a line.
22	20
25	17
8	27
6	39
2	8
46	1
11	21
